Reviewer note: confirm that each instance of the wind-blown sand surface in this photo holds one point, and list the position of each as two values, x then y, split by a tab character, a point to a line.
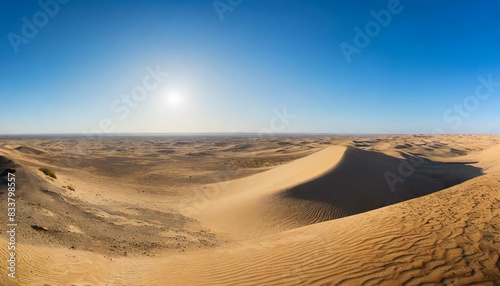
297	210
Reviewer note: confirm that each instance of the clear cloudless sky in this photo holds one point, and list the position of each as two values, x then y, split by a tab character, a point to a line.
233	74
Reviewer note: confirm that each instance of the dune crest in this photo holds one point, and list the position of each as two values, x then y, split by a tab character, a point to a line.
246	207
336	182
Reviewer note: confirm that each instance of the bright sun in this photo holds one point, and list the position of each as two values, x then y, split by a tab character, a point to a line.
173	99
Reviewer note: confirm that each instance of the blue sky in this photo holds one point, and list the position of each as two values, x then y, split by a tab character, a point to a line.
232	70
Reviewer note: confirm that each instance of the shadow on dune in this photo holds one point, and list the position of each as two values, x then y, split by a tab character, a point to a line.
29	150
362	181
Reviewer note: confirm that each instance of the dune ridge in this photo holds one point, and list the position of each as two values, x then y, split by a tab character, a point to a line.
240	200
346	181
487	159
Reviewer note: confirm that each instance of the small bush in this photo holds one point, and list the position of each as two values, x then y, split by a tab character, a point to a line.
48	172
71	188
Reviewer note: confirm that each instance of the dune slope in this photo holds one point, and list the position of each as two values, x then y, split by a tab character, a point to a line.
333	183
488	159
247	207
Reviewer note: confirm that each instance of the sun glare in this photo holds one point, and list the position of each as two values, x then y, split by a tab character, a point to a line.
173	99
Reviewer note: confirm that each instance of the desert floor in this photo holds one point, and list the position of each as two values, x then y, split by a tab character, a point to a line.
286	210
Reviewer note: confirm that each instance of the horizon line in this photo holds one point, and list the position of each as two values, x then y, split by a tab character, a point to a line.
144	134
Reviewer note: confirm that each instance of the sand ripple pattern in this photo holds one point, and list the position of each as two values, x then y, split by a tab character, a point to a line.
447	238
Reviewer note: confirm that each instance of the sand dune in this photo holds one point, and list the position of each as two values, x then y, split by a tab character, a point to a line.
29	150
246	207
336	182
329	217
488	159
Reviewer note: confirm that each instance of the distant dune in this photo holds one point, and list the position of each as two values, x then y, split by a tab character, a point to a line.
29	150
486	159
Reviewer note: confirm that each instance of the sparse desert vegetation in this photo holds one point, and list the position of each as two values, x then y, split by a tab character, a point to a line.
48	172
